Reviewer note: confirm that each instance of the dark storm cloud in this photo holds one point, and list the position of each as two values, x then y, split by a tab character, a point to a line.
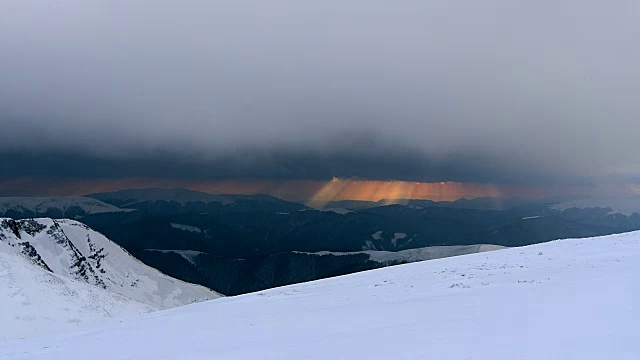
380	164
492	91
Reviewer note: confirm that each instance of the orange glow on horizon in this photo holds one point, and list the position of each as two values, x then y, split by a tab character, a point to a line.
377	190
314	192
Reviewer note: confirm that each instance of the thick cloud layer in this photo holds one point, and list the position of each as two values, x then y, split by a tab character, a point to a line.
490	91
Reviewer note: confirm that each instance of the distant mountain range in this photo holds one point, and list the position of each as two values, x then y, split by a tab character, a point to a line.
627	205
57	207
241	243
482	203
164	202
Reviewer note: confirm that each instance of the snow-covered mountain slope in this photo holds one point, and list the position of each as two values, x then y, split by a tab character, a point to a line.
34	301
627	205
567	299
71	249
419	254
62	206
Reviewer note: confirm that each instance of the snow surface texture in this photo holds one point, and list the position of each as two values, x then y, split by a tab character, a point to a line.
35	301
567	299
188	228
41	205
532	217
413	255
71	249
628	205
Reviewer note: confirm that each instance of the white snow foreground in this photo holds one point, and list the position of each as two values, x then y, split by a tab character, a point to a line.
34	301
567	299
91	268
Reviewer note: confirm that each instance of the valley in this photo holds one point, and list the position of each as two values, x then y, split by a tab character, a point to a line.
243	243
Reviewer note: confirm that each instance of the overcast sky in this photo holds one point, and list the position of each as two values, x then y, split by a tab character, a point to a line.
430	90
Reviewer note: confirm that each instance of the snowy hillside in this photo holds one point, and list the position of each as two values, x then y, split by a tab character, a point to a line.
62	206
71	249
413	255
34	301
567	299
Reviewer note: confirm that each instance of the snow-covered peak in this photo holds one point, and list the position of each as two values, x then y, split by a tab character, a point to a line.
61	206
73	250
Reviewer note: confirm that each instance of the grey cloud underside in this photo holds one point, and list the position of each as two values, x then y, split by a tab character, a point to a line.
279	164
492	91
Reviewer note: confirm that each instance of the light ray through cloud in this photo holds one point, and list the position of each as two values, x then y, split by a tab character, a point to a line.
314	193
391	191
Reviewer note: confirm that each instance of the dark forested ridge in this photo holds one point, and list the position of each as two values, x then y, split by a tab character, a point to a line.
247	243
